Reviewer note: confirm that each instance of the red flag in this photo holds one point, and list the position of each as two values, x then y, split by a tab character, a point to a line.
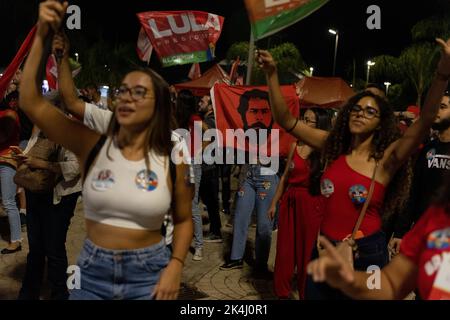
233	73
245	107
181	37
17	61
51	72
144	47
195	72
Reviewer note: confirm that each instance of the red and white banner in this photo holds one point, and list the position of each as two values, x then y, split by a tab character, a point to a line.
181	37
247	107
144	47
195	72
51	72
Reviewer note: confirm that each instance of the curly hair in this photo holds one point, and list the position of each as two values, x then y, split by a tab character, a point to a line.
340	139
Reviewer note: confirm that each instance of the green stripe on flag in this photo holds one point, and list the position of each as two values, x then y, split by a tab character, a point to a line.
273	24
184	58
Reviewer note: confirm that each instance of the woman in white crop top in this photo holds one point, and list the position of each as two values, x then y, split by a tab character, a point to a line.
128	189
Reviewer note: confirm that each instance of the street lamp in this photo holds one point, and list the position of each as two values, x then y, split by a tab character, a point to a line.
369	64
76	56
387	84
335	48
311	70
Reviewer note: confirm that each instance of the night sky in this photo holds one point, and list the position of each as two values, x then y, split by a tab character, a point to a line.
119	24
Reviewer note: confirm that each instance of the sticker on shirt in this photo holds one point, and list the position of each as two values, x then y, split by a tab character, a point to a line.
292	166
326	188
146	180
441	286
103	181
430	154
439	239
358	194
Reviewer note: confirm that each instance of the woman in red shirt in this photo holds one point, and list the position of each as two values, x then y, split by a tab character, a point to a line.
300	211
423	262
363	143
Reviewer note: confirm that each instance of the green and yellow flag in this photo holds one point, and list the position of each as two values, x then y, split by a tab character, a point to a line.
270	16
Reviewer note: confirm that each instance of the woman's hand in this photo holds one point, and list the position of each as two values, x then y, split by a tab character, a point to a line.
51	14
444	63
331	267
265	61
271	212
34	163
168	285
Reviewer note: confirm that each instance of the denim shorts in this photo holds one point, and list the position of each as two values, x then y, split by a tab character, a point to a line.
119	274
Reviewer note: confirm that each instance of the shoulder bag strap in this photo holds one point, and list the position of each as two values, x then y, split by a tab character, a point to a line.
366	204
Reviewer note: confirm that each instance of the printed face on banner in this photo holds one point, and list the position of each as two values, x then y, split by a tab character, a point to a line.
255	111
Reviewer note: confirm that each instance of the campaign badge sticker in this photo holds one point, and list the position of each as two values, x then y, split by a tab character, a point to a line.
358	194
146	180
103	181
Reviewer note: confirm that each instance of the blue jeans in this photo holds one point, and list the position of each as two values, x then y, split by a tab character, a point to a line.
119	274
257	190
196	215
8	189
372	251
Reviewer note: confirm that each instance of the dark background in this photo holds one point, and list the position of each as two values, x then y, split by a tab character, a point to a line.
116	22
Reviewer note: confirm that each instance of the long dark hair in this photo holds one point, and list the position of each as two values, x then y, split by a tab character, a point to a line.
185	108
323	122
339	143
161	124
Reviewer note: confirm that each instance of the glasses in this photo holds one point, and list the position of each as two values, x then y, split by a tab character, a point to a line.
136	93
368	112
308	121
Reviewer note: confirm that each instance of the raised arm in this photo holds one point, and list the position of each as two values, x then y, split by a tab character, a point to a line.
66	86
313	137
50	120
399	151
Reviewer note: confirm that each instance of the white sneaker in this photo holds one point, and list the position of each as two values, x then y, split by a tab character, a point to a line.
198	254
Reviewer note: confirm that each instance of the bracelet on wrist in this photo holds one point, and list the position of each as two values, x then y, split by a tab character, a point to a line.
178	259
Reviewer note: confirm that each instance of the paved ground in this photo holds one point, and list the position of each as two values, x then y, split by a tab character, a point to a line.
201	279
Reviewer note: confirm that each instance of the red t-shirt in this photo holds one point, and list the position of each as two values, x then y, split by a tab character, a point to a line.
425	246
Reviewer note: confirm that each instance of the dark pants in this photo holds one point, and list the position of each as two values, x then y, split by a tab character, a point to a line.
372	251
209	190
47	226
225	174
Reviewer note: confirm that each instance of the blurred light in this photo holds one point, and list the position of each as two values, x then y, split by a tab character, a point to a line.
332	31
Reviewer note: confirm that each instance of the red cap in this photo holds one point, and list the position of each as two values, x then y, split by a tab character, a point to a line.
414	109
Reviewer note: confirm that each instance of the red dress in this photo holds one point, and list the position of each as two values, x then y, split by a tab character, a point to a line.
300	215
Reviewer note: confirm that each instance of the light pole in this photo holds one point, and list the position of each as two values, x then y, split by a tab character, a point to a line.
387	84
369	64
311	70
76	56
335	48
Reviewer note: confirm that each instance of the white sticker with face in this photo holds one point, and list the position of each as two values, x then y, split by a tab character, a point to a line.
326	188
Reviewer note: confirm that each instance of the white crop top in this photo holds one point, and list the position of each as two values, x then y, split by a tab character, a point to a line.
116	192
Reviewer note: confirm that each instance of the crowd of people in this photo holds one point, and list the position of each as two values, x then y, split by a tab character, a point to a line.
370	179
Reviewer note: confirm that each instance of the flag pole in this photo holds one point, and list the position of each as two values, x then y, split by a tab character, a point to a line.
251	57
